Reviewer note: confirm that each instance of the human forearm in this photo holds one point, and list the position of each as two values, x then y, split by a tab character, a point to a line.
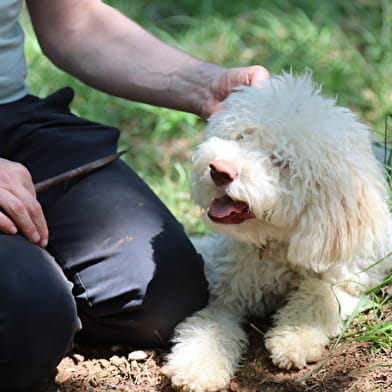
108	51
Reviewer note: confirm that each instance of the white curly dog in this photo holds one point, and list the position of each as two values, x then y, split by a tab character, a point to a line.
290	180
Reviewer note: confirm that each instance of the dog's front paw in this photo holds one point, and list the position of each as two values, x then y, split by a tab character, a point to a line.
293	347
195	370
207	350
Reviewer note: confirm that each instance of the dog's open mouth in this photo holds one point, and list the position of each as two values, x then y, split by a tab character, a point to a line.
228	211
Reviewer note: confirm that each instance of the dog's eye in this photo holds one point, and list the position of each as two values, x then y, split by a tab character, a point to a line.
276	160
246	133
279	162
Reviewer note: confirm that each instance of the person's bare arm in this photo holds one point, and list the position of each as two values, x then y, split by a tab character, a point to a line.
108	51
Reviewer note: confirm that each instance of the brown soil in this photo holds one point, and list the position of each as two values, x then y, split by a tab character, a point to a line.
353	367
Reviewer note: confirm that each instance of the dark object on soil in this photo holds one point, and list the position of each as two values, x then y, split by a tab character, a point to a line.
79	171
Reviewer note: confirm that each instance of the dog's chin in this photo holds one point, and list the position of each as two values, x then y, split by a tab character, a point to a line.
225	210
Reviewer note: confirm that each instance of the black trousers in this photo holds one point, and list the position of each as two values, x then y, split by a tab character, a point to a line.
116	259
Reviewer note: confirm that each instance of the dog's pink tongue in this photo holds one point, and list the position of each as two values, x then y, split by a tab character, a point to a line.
229	211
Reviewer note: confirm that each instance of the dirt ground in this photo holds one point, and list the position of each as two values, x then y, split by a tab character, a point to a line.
353	367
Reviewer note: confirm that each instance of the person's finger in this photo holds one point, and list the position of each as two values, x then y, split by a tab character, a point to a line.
247	76
17	211
35	211
6	225
258	75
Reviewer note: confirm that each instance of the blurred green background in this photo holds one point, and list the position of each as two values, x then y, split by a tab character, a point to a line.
347	45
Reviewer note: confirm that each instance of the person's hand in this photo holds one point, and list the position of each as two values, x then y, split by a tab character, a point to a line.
20	210
225	82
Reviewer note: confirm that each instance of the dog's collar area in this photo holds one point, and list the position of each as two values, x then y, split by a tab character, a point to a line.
225	210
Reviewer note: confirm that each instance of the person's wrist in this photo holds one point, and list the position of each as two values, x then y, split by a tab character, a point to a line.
202	83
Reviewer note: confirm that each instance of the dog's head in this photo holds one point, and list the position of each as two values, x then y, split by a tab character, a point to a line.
282	162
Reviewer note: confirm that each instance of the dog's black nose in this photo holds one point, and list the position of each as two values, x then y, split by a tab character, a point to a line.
223	172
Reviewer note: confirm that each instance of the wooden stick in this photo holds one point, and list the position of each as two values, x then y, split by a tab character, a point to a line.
79	171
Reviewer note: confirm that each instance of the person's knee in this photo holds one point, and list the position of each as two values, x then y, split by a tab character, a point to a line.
142	326
165	309
145	288
34	348
151	321
38	318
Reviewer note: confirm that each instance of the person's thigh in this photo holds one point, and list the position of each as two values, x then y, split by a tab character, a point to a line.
136	273
38	317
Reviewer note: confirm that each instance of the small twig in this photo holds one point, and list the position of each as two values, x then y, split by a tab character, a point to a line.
79	171
256	329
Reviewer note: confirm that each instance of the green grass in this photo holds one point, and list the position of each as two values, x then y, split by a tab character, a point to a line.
371	321
346	43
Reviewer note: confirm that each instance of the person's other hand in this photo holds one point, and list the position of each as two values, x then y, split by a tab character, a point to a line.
20	210
224	83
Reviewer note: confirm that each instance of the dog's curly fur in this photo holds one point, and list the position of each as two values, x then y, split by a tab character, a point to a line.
290	181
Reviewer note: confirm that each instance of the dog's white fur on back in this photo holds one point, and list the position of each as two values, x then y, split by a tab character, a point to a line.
289	180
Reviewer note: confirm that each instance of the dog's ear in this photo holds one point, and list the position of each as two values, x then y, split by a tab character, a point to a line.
345	217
